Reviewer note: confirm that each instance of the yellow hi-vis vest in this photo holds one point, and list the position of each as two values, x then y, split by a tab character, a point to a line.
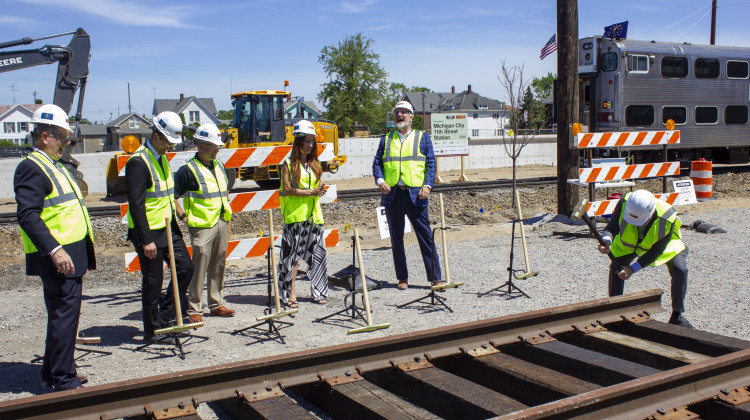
626	242
297	209
404	159
63	211
160	195
203	207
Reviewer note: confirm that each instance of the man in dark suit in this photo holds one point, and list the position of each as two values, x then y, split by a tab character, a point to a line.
57	240
404	170
150	204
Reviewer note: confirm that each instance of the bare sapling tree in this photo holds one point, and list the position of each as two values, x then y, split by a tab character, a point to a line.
514	86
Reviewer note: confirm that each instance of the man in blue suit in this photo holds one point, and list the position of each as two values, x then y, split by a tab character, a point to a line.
404	169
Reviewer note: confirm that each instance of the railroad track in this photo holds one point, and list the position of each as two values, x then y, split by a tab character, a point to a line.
600	359
110	211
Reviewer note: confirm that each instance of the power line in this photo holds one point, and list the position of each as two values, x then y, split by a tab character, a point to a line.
685	18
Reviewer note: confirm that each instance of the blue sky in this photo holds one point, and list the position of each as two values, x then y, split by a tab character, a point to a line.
211	49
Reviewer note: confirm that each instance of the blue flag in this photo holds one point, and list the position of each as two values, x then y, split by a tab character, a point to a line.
618	30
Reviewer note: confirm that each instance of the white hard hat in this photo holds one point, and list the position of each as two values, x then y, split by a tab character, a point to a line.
209	132
51	115
169	124
639	207
404	105
303	127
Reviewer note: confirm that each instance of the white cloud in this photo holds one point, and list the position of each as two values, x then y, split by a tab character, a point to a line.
356	7
15	21
131	13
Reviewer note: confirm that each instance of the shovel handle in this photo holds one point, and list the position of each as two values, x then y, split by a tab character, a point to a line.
598	237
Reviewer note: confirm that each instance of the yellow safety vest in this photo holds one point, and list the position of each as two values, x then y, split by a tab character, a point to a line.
160	195
297	209
203	207
63	211
404	159
626	242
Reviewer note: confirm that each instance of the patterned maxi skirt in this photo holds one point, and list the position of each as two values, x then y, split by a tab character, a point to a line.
304	241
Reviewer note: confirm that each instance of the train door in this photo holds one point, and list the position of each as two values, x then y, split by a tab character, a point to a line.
607	87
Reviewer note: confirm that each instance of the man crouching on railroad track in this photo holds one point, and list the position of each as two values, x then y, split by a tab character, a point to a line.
150	204
57	239
404	170
645	231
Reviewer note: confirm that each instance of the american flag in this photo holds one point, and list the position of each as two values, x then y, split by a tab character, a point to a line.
549	47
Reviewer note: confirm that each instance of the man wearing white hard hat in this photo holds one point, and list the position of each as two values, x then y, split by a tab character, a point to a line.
404	170
203	183
150	203
645	231
57	240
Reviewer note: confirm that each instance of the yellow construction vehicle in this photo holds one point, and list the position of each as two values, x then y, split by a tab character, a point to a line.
258	121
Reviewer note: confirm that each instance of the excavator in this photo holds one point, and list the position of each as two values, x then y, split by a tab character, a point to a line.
72	73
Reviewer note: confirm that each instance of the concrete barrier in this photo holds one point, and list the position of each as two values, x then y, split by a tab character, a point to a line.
484	153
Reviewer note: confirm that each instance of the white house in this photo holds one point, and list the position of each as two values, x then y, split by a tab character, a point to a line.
15	122
195	110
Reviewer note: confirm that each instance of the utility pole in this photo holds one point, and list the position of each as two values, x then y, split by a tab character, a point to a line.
713	23
13	88
566	102
130	108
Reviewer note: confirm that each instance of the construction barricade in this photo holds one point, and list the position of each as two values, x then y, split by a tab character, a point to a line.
701	172
251	247
620	173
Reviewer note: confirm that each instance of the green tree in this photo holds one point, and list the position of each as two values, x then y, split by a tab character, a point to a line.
225	114
542	88
527	109
356	82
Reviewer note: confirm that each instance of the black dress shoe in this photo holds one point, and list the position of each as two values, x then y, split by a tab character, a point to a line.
678	319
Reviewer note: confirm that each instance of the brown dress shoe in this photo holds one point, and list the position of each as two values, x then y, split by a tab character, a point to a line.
403	285
222	311
196	318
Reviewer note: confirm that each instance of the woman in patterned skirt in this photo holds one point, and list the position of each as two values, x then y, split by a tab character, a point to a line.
299	196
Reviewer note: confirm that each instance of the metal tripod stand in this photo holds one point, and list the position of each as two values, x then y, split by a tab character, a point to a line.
432	296
356	311
513	290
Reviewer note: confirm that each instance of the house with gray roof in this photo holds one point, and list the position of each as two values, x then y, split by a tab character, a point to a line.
486	117
308	109
15	122
195	110
107	137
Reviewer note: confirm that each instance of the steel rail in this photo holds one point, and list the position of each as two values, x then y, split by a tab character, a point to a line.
135	397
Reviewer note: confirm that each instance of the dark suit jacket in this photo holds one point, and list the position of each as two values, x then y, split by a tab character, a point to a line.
31	185
425	146
138	180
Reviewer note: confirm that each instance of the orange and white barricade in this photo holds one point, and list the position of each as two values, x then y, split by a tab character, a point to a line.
627	139
701	172
238	158
237	249
607	207
253	201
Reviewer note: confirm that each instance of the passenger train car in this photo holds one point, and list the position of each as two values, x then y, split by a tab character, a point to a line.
630	85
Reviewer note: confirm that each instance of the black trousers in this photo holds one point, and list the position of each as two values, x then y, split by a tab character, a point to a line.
62	297
677	268
158	308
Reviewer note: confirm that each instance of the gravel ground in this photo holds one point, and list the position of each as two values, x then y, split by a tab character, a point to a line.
571	270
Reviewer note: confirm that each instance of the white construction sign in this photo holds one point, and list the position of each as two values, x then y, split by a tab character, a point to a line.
686	189
450	135
383	223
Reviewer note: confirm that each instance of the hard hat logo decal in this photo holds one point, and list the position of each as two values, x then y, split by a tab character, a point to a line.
203	133
163	123
46	116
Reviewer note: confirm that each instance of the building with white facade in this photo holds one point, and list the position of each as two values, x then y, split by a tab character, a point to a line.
195	110
15	122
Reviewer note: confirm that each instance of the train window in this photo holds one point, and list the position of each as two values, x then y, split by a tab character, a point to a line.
678	114
706	115
638	63
737	69
639	115
735	114
674	66
609	61
706	68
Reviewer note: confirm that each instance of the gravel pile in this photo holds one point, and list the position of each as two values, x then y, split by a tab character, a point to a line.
479	244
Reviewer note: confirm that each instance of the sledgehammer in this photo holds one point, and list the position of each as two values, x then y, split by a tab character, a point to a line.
579	212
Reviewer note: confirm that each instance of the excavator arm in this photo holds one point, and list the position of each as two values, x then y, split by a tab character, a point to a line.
72	72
